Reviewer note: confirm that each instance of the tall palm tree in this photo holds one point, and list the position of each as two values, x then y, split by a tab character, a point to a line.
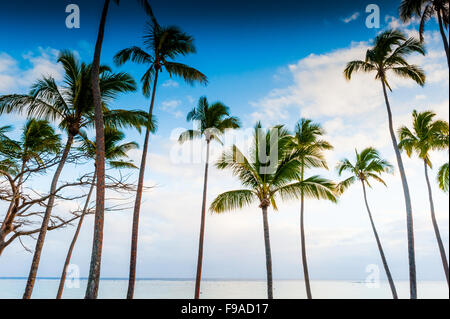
164	45
266	179
72	107
116	154
307	138
38	140
94	271
368	165
425	10
389	55
213	121
425	137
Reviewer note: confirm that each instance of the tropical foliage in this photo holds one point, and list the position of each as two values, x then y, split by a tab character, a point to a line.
368	165
388	55
165	44
427	135
213	120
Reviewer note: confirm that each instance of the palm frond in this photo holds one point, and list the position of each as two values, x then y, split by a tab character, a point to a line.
233	200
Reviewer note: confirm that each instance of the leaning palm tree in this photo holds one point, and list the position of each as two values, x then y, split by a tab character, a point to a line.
267	175
425	137
116	155
94	271
213	121
307	139
368	165
72	107
389	55
164	45
425	10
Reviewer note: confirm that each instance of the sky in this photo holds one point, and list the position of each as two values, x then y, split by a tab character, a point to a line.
269	61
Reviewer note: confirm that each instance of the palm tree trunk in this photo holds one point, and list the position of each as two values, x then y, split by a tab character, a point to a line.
409	213
444	39
74	240
45	221
137	204
303	239
202	227
380	248
435	225
268	253
96	256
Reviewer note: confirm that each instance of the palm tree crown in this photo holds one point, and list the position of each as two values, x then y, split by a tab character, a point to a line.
427	135
425	10
115	153
72	104
368	165
265	184
164	45
307	137
213	121
388	54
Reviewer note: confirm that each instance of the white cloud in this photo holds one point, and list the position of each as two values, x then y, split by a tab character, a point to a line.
16	79
171	106
170	84
351	18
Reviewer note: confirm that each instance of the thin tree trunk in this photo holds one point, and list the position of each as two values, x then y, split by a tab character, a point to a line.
303	241
380	248
74	240
96	256
45	221
202	227
444	39
409	213
435	225
268	253
137	204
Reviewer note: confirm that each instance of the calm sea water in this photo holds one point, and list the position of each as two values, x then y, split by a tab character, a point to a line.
183	289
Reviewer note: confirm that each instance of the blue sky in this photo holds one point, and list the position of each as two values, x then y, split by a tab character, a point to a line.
273	61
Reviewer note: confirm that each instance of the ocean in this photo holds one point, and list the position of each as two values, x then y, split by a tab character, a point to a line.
223	289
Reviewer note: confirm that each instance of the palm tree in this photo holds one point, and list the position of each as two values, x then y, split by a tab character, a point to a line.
368	165
307	139
425	10
213	121
425	137
265	179
116	154
443	177
72	106
38	140
389	54
94	271
164	45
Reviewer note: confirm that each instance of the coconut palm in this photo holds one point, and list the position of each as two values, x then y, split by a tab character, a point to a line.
308	140
425	137
443	177
267	176
94	271
425	10
72	107
368	165
38	140
213	121
164	45
116	155
388	55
